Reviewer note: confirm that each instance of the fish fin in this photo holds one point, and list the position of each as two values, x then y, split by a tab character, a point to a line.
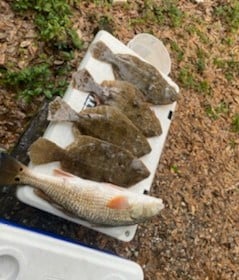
101	52
61	173
95	225
95	116
83	80
59	110
118	202
112	186
42	195
45	197
116	72
75	130
10	170
44	151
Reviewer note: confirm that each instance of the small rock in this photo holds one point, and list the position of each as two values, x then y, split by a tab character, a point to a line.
79	33
58	62
22	64
31	34
25	43
2	59
3	35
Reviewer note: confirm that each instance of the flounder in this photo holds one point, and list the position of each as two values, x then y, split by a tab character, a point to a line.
143	75
92	158
124	96
103	122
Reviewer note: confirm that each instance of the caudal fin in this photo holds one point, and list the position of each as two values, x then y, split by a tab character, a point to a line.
59	110
101	52
44	151
10	170
82	80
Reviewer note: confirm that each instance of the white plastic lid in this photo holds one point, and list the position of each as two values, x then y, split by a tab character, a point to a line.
27	255
153	50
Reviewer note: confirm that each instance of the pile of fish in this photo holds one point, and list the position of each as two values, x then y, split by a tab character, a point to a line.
109	140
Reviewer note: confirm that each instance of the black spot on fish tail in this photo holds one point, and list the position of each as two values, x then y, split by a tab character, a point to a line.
10	169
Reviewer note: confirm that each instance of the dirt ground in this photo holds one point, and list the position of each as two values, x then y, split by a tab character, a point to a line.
196	236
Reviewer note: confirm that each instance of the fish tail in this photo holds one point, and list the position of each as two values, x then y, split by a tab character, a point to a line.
101	52
10	170
44	151
59	110
85	82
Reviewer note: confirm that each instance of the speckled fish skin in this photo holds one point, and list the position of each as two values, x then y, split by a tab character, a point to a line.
138	72
92	158
104	122
124	96
98	203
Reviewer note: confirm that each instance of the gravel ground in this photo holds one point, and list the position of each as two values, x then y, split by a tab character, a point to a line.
196	236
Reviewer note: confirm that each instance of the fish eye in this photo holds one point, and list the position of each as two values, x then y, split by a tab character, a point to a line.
20	169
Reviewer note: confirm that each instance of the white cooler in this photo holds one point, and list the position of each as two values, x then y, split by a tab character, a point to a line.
61	133
29	255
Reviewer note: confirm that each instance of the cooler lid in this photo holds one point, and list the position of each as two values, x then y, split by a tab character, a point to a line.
77	100
27	255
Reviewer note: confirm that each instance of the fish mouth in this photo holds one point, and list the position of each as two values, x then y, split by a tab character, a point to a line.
147	211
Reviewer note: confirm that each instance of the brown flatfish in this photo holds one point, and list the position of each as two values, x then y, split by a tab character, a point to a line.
143	75
124	96
104	122
92	158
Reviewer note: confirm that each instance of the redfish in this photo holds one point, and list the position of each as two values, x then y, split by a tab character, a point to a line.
98	203
124	96
92	158
104	122
126	67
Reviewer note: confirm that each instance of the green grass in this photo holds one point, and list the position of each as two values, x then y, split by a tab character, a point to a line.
235	123
230	67
176	48
228	14
175	169
52	19
34	81
103	3
105	22
201	61
215	113
192	29
167	13
186	78
203	87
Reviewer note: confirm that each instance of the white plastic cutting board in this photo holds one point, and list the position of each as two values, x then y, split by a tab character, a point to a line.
62	135
27	255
